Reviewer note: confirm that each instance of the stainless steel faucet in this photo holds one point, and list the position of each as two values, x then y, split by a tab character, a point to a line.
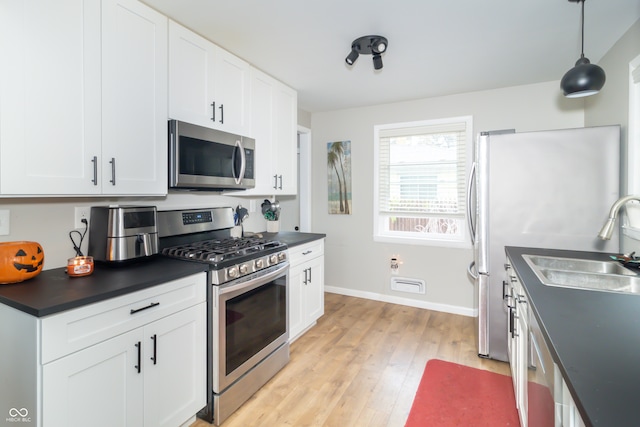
607	228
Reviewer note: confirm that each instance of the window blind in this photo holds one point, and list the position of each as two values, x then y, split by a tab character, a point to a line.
422	170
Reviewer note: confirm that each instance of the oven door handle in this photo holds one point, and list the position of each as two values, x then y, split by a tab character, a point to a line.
255	282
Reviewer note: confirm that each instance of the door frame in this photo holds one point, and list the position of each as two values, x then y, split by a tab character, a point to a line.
304	178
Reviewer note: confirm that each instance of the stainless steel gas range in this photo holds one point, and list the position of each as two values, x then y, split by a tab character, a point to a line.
247	309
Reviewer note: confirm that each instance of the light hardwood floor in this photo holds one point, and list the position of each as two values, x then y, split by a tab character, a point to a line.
360	366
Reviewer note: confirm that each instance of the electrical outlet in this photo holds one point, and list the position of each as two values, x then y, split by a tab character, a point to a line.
395	266
81	213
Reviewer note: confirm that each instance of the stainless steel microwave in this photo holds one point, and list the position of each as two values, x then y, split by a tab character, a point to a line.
208	159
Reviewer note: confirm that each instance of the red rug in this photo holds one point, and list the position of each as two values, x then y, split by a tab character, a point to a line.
454	395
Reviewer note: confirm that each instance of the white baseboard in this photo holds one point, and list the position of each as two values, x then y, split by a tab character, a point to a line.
453	309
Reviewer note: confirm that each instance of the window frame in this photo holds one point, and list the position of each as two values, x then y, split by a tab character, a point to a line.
415	238
633	136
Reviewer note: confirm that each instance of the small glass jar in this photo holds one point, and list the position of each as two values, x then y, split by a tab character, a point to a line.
80	266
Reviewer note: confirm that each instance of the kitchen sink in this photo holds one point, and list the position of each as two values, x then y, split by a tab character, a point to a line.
579	265
608	276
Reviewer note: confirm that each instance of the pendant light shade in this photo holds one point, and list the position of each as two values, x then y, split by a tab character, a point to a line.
584	78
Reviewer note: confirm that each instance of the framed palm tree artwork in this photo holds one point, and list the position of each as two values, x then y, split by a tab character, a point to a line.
339	177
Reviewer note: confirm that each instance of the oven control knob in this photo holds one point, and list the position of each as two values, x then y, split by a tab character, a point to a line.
244	268
282	256
260	263
232	272
273	259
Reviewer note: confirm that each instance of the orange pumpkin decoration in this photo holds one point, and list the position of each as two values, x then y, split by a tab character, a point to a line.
20	261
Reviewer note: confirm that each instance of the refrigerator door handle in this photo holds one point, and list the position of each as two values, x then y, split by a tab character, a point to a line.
473	272
472	178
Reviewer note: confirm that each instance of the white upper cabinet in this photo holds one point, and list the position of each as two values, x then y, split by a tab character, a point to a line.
49	96
274	109
82	96
286	141
134	99
208	86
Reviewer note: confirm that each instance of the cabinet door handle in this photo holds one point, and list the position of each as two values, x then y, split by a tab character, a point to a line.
136	310
221	107
275	182
305	276
280	188
213	116
309	274
138	366
154	338
511	322
113	171
95	170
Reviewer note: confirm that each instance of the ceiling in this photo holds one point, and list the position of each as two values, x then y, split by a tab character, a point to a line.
436	47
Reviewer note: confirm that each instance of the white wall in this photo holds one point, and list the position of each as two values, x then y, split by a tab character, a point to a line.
611	105
357	264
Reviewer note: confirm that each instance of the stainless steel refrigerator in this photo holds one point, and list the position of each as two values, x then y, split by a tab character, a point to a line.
548	189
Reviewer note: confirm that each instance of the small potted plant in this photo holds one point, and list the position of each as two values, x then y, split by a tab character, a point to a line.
271	212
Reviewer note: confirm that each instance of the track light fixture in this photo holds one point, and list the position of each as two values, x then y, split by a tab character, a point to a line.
584	78
374	45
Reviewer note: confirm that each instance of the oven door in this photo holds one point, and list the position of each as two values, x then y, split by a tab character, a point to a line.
250	320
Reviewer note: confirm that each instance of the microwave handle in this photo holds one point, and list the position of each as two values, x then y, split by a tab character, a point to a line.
243	162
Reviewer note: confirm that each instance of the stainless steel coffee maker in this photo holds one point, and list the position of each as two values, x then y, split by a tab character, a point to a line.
121	233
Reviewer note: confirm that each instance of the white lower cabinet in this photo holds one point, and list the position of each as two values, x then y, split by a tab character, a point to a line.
175	369
151	376
568	411
531	361
518	342
306	286
98	380
136	360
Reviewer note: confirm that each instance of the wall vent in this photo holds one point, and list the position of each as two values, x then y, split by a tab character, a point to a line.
404	284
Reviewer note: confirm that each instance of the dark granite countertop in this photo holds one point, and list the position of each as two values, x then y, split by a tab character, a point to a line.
594	338
52	291
294	238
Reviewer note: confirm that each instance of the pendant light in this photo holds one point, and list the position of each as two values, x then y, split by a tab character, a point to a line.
585	78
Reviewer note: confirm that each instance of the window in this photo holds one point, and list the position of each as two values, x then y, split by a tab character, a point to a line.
420	181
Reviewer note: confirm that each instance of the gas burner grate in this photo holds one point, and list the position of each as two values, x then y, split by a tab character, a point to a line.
216	251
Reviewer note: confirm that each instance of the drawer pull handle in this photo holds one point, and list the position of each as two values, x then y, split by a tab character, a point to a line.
155	343
153	304
138	366
306	252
